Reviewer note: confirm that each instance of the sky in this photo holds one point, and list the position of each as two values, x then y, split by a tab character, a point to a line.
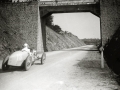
83	25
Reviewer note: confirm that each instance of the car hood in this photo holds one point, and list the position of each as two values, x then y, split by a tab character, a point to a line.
17	58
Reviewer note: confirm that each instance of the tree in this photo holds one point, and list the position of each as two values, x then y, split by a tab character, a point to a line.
56	28
49	21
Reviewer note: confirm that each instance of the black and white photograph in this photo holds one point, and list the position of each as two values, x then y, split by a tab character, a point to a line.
59	44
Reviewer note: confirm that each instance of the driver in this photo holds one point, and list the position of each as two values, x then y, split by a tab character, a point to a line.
26	48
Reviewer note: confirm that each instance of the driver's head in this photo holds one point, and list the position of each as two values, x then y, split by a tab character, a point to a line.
26	45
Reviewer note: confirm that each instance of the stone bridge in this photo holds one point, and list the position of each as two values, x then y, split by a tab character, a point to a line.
28	18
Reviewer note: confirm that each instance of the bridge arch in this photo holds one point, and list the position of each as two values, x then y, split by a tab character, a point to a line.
108	11
49	7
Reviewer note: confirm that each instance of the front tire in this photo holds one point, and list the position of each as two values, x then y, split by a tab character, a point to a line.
5	65
43	58
28	63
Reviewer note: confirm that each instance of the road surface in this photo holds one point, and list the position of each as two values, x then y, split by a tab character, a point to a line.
70	69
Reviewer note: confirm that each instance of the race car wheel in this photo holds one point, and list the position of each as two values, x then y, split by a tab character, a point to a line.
28	63
43	58
5	65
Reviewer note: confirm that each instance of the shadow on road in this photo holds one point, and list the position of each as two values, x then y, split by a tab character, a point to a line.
12	69
37	64
16	68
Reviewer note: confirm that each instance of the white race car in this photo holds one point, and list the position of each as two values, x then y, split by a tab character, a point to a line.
23	58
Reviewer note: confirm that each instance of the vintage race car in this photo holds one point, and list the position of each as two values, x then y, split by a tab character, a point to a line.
23	58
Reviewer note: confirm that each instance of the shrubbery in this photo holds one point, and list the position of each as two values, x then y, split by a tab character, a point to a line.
49	23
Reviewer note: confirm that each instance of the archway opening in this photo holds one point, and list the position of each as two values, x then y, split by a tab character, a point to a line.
84	25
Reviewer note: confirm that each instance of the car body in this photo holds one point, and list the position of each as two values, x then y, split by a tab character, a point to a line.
17	58
23	58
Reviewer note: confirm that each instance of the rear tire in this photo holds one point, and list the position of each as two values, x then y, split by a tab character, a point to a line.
5	65
28	63
43	58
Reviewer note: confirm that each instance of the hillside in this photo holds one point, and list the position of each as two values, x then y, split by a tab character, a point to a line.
55	41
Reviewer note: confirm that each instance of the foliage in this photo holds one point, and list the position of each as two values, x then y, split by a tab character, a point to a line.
112	52
49	23
56	28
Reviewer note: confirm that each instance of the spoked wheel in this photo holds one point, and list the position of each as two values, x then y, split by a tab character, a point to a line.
5	65
43	58
28	63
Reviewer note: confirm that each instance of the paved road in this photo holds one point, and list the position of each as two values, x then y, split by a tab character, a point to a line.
73	69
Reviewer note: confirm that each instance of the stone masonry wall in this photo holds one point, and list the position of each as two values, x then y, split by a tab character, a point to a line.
110	18
110	26
18	24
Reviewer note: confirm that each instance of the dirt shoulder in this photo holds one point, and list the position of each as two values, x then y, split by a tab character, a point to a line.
91	77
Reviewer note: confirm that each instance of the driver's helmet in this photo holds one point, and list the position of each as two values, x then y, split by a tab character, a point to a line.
26	45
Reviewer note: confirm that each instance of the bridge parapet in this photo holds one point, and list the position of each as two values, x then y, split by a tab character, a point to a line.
15	1
66	2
